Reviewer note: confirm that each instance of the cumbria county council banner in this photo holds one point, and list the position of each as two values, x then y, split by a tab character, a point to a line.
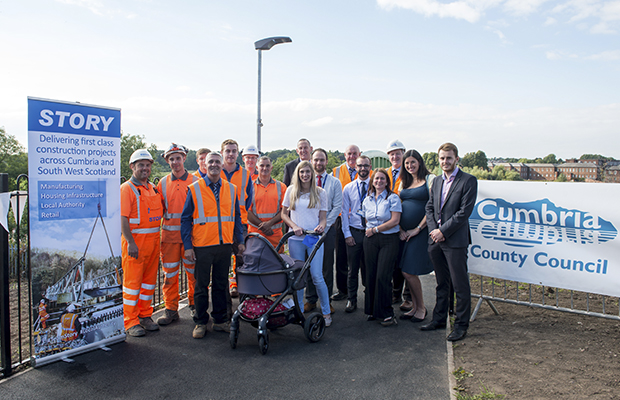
555	234
74	204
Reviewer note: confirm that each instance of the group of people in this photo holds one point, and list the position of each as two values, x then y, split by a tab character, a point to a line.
388	225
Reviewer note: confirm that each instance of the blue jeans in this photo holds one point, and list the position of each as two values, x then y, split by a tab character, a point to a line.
298	251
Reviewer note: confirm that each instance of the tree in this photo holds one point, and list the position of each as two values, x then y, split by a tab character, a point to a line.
431	160
131	143
561	178
13	159
550	159
478	159
278	165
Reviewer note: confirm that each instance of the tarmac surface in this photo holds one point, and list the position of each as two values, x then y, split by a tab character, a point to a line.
355	359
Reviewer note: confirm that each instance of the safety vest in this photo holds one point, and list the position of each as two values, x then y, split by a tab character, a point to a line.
174	193
264	207
67	326
149	210
342	174
214	221
240	179
395	182
43	315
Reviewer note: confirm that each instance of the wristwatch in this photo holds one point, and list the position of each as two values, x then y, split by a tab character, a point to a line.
376	229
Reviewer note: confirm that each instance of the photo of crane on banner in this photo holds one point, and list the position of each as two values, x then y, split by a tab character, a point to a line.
74	210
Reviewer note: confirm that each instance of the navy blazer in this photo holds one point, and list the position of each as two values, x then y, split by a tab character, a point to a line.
454	214
289	171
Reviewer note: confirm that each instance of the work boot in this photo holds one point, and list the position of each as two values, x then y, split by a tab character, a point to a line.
199	331
222	327
309	307
168	317
192	310
148	324
136	331
234	292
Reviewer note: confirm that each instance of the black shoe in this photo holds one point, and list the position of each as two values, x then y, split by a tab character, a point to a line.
432	326
389	321
414	319
339	296
351	306
457	334
370	318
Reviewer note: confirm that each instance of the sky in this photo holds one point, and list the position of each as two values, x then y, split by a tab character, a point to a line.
513	78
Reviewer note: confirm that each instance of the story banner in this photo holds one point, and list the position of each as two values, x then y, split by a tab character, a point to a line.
74	204
548	233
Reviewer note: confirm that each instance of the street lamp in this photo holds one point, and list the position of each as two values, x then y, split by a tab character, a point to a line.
260	45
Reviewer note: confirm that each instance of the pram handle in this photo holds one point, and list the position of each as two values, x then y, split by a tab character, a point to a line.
291	233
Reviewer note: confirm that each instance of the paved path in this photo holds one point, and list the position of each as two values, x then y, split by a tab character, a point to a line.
354	360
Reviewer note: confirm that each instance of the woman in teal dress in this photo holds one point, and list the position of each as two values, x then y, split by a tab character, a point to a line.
414	194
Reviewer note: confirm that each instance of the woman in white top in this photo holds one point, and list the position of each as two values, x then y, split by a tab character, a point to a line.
305	208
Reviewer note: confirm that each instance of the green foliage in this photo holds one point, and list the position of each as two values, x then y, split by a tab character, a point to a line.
477	159
595	157
13	159
550	159
278	165
561	178
131	143
498	173
431	160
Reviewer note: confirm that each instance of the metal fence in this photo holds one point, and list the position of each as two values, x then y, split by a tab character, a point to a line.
489	290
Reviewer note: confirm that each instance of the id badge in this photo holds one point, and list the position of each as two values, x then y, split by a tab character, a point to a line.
360	213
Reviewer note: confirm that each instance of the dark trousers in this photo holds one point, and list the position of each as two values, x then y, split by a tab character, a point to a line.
342	252
212	262
380	252
398	280
328	267
451	266
355	258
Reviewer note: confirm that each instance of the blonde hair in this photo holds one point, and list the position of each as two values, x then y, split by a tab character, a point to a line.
315	200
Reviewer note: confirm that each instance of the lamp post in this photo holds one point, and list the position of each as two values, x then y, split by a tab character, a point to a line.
260	45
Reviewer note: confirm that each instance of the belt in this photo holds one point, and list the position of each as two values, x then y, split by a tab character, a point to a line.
357	229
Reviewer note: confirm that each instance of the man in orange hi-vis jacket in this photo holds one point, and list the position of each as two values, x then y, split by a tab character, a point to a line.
264	215
173	188
210	224
240	177
141	213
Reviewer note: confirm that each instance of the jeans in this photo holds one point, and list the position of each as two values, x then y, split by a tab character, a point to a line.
298	251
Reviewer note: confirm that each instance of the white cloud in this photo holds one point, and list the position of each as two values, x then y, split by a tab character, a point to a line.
559	55
550	21
523	7
605	55
94	6
319	122
469	10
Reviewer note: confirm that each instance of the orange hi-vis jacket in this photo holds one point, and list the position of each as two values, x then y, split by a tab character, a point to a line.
214	221
267	202
342	174
241	179
143	221
395	183
174	192
67	326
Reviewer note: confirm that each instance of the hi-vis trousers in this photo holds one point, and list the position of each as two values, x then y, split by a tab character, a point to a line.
171	258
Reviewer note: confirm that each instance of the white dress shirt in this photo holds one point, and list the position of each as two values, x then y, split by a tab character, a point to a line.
351	204
333	187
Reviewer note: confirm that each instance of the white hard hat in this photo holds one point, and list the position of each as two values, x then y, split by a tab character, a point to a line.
71	308
251	150
140	154
395	145
42	300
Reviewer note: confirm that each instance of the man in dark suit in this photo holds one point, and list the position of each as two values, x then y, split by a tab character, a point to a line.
304	151
451	202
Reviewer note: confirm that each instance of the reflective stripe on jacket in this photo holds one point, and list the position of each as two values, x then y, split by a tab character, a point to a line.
214	221
174	193
240	179
269	204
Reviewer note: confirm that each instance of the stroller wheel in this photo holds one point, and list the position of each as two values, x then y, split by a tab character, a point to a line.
263	344
314	327
234	335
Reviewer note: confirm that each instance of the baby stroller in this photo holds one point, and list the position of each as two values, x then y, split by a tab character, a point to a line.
266	274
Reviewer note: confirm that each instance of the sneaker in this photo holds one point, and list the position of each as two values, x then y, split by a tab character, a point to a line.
192	310
148	324
222	327
136	331
309	307
199	331
168	317
328	320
